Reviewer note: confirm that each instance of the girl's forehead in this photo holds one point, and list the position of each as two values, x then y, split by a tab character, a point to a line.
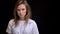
21	6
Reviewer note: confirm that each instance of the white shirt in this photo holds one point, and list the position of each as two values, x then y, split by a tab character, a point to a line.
31	27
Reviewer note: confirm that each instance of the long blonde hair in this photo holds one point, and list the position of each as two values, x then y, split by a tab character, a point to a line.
28	12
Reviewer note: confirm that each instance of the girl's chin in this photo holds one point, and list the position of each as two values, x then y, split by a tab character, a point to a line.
21	16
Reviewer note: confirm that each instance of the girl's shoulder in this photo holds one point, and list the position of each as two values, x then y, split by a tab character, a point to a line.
32	21
11	21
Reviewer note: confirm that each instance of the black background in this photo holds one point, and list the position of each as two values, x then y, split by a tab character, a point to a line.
41	12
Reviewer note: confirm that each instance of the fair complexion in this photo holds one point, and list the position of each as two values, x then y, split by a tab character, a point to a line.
21	11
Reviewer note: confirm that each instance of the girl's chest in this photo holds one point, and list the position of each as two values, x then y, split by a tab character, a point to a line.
22	28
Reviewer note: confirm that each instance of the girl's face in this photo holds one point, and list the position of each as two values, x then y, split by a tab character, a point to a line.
21	11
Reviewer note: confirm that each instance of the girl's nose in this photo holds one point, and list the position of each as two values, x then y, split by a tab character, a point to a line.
21	11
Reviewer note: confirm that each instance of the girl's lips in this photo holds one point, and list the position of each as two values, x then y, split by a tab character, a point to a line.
21	15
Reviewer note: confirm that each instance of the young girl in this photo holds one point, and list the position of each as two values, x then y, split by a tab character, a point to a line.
22	24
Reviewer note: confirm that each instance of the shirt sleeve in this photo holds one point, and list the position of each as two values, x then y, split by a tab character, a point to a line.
8	30
35	28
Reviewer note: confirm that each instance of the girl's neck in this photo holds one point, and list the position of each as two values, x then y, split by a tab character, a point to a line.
21	18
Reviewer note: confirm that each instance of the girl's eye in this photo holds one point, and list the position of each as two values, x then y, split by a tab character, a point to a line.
22	9
18	10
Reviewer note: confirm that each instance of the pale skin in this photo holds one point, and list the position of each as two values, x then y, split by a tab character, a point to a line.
21	11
